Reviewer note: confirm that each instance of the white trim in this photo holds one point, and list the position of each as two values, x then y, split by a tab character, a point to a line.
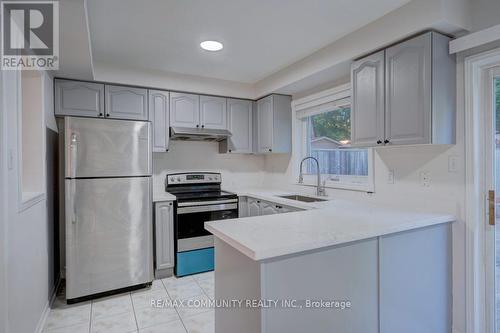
307	106
322	97
475	39
475	190
46	310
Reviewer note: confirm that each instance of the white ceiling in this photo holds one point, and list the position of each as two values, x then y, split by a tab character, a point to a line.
260	37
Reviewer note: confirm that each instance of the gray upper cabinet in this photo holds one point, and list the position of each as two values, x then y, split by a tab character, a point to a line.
418	86
213	112
367	103
240	124
265	124
124	102
274	124
164	237
408	91
159	115
184	110
76	98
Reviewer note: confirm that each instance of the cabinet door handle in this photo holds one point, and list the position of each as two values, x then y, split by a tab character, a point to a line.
379	142
270	150
107	115
197	126
387	141
100	114
202	126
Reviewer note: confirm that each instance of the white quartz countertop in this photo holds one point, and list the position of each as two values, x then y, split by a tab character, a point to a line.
322	224
159	196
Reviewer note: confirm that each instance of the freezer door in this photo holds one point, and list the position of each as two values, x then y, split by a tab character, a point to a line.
106	148
108	234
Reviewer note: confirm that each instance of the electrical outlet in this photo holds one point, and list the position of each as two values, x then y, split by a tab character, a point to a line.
10	159
452	163
390	176
425	178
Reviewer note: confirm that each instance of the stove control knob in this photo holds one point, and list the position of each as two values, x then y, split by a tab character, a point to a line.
209	178
178	179
171	179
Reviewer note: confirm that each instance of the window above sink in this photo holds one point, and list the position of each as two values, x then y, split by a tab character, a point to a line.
323	131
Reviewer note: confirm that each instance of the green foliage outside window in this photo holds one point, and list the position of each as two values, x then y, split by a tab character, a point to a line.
497	104
334	124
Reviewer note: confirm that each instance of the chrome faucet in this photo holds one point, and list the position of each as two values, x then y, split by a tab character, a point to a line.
320	190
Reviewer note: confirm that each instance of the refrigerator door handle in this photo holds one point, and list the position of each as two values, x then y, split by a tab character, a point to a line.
72	200
73	154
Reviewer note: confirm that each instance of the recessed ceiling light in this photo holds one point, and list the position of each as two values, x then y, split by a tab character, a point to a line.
211	45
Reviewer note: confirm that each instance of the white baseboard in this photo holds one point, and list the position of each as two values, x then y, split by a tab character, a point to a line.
46	310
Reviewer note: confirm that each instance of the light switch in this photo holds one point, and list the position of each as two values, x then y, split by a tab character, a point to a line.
452	163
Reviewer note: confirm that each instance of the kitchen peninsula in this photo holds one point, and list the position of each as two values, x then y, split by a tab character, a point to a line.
392	267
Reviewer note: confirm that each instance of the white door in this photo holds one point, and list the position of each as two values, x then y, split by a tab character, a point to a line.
265	124
213	112
184	110
240	125
492	118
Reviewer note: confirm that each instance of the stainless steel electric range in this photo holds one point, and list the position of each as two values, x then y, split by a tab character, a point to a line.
199	199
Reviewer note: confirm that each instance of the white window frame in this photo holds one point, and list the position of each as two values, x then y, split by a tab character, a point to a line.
320	102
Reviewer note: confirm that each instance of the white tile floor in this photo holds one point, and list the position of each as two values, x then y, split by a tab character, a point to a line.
133	312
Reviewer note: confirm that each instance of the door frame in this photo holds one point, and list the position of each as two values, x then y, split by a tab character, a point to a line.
3	210
477	284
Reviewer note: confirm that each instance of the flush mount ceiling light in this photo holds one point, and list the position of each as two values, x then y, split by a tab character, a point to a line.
211	45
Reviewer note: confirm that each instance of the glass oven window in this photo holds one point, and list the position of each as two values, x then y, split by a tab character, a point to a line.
192	224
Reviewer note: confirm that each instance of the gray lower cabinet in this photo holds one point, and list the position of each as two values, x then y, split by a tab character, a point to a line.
274	124
240	124
257	207
213	112
159	115
405	94
164	239
243	207
124	102
415	280
253	207
184	110
77	98
268	208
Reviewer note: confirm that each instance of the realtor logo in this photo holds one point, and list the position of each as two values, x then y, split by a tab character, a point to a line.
30	35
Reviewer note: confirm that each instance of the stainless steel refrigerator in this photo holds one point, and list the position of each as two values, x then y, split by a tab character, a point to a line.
108	205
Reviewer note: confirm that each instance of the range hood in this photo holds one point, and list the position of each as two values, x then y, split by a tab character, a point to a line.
198	134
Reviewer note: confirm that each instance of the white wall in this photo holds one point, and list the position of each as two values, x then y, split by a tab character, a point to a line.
30	281
237	170
485	14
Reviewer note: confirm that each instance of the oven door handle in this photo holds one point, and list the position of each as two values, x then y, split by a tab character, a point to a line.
204	203
210	208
